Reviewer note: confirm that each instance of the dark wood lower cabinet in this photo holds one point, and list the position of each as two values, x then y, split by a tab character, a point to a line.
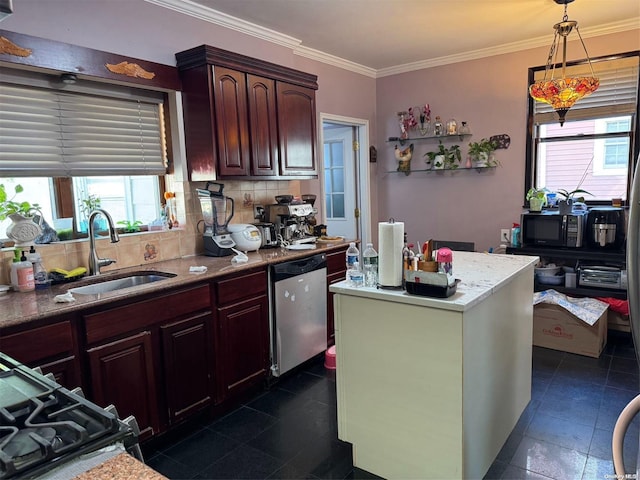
122	374
336	272
243	346
65	371
187	358
52	348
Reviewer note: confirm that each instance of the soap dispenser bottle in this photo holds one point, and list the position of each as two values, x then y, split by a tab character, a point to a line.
39	272
22	274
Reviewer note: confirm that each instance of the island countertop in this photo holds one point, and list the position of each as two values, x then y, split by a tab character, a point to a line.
480	274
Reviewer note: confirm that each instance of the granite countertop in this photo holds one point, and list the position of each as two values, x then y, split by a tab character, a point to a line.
17	308
480	275
121	467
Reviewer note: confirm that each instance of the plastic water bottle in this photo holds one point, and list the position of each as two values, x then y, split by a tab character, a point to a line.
370	262
355	276
353	261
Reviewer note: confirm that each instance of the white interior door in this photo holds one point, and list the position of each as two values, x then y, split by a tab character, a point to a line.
340	187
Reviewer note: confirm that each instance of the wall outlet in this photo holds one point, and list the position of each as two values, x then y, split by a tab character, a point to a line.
505	235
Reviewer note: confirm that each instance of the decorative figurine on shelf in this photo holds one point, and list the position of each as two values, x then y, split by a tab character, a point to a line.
464	129
438	127
425	120
404	130
404	159
452	127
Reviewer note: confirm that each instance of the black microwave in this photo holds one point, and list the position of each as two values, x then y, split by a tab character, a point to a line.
550	229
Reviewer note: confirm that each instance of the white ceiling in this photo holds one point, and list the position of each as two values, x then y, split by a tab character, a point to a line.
388	36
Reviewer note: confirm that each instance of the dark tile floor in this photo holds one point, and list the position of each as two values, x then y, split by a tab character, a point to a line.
290	431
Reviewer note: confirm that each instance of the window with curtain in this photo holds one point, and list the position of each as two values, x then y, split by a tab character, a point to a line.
107	139
596	148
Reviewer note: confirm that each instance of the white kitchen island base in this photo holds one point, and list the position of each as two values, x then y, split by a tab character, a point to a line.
432	388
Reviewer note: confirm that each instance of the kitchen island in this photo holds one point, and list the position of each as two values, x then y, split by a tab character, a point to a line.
432	388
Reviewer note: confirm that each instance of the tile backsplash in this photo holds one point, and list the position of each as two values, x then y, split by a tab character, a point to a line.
140	249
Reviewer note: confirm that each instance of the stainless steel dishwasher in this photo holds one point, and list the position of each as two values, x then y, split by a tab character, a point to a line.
298	297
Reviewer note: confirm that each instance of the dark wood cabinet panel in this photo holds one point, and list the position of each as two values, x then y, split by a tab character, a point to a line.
336	272
122	374
297	130
240	287
243	346
144	314
66	371
188	365
52	348
263	116
232	123
263	126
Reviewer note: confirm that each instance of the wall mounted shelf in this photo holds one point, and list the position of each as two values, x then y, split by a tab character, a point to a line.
440	170
459	137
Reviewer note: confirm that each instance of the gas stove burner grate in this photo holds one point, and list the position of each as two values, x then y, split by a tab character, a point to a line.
51	426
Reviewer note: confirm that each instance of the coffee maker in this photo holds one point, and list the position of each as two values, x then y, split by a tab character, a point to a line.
290	220
217	212
606	228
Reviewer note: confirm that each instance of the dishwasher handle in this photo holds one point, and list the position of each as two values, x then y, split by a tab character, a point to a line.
293	268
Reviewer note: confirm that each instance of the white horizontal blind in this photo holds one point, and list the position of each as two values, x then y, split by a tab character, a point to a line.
47	132
616	96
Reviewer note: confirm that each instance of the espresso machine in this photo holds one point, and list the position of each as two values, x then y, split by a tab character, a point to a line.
217	212
291	222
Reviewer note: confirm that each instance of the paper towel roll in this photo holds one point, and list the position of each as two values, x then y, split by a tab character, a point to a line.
390	243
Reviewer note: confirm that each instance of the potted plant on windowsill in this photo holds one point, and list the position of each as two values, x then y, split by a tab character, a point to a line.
482	153
445	158
26	217
570	199
87	206
537	198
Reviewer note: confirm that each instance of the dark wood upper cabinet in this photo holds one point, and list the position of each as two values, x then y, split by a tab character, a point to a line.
261	117
263	125
230	107
297	128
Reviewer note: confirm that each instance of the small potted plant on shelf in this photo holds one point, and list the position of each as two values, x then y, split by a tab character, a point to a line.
537	198
445	158
482	153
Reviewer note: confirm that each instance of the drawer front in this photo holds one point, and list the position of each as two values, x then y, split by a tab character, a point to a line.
39	343
336	262
143	314
235	289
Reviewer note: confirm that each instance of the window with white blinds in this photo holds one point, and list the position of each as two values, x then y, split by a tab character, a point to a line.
617	94
69	131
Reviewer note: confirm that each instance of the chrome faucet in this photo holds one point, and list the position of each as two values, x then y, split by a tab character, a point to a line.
96	262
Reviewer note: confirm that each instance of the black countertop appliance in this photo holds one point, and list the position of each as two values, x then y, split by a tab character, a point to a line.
606	228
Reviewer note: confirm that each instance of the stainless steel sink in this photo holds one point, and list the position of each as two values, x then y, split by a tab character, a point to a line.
131	280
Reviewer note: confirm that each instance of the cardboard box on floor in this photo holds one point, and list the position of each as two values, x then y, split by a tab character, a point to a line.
554	327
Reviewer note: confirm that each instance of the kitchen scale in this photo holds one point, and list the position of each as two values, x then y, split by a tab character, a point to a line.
214	205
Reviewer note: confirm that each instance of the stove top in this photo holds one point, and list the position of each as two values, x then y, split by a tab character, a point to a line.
42	424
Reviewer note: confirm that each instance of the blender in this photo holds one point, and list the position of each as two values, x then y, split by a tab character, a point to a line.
215	206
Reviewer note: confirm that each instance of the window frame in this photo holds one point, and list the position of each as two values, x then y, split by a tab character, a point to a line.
532	142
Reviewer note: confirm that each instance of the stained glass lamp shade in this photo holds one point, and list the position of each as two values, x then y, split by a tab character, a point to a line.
562	93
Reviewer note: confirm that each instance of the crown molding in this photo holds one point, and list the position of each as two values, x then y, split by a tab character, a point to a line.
335	61
192	9
188	7
606	29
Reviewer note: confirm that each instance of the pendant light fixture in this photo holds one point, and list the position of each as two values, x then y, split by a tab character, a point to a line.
563	92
